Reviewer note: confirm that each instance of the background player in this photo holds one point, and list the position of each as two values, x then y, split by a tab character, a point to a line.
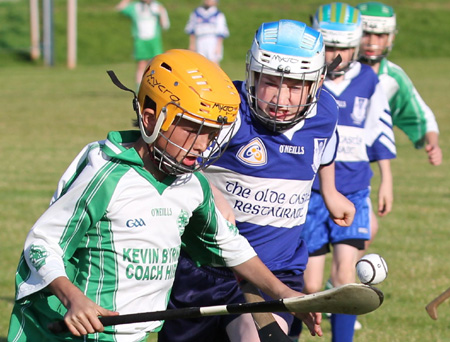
409	112
284	136
365	132
207	28
111	239
148	19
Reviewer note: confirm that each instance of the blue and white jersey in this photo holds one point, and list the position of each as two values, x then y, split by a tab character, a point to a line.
364	126
207	22
267	179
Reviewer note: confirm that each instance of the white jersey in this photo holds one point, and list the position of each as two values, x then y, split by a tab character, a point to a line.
364	126
208	25
123	231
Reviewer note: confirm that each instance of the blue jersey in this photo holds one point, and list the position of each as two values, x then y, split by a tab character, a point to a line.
267	178
364	126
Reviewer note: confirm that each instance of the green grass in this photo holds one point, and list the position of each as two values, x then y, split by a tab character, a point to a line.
49	114
104	35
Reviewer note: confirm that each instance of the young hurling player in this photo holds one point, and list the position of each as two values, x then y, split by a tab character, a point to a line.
284	135
409	112
109	243
207	28
148	19
365	135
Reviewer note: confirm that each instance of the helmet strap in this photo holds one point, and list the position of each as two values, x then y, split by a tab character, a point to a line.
150	139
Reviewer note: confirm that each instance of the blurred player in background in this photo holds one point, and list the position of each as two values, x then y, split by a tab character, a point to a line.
109	242
409	112
285	135
207	28
148	19
365	136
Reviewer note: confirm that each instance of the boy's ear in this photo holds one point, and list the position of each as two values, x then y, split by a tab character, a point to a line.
149	120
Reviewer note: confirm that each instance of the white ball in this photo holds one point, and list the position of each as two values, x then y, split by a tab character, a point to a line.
371	269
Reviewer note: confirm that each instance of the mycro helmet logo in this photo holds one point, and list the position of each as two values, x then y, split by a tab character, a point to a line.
254	153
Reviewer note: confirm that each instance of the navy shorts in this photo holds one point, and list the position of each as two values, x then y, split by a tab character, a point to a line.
206	286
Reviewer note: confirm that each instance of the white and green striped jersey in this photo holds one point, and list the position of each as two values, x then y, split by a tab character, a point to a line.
116	233
409	112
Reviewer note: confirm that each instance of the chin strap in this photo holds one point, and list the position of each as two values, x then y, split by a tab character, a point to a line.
149	139
335	63
119	84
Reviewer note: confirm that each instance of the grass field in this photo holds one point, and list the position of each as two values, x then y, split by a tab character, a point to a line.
49	114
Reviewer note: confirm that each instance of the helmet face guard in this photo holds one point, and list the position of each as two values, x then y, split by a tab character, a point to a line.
341	27
169	164
285	50
378	18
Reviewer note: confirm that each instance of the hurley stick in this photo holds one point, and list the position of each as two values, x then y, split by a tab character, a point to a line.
353	299
433	305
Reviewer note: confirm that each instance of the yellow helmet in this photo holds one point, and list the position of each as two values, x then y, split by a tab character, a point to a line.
182	82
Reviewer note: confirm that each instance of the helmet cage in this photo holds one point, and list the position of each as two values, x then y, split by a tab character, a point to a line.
379	25
169	165
298	111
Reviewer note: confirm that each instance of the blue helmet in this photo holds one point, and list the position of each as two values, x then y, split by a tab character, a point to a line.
287	49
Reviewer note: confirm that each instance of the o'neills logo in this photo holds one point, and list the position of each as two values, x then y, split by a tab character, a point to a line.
224	108
153	82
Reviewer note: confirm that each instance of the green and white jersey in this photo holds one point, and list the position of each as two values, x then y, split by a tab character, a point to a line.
116	233
409	112
146	19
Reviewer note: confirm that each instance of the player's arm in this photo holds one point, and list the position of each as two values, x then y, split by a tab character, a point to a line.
223	205
385	192
342	211
82	313
254	271
122	4
163	18
432	148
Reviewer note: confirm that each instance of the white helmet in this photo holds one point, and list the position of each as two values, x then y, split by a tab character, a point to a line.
286	49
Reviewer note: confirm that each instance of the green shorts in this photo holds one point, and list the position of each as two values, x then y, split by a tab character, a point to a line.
147	49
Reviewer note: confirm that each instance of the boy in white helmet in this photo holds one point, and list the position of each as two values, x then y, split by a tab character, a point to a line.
110	241
365	136
285	136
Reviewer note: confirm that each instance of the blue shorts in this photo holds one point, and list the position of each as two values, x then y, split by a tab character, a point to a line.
206	286
320	230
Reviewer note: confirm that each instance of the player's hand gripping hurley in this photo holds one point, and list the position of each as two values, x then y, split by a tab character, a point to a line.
353	299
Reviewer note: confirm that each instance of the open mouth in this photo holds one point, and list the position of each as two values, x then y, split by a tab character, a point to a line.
189	160
278	113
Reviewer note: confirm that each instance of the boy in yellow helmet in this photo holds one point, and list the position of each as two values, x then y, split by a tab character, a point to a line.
109	243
